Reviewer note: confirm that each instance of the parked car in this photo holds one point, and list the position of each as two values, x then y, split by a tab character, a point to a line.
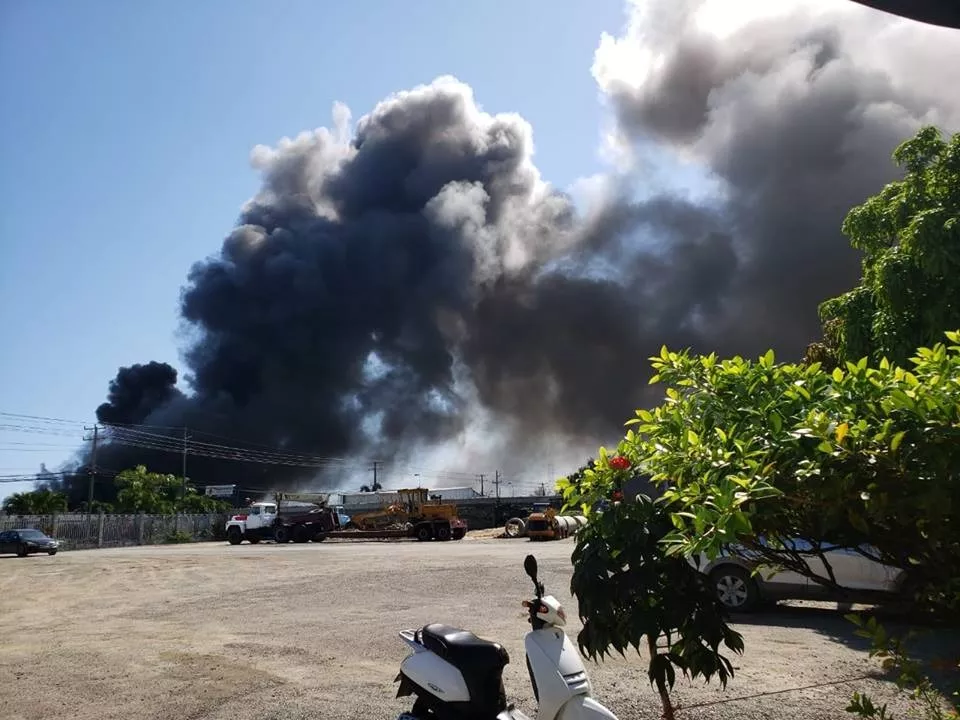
26	541
862	579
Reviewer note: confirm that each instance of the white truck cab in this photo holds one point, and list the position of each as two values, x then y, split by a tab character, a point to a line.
251	525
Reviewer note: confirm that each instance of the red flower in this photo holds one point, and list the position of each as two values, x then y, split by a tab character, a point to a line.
617	496
619	463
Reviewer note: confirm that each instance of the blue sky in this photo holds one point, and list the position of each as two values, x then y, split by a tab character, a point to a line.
126	135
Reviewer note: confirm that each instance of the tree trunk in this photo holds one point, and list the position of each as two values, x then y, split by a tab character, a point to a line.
668	713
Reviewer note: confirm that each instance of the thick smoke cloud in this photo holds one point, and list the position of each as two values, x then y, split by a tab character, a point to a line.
137	391
411	289
795	109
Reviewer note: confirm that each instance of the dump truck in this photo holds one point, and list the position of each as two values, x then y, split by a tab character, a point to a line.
268	520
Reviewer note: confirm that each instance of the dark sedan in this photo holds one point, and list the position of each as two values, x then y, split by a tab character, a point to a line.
27	541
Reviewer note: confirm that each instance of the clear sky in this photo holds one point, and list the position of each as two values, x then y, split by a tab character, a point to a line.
126	130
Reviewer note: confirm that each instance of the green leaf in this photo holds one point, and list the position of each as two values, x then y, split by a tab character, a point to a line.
776	421
896	440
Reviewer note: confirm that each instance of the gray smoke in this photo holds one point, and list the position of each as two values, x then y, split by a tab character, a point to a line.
412	284
795	114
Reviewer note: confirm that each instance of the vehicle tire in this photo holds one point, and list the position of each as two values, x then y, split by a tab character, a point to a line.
51	552
301	534
459	534
281	535
21	550
515	527
736	590
319	537
443	532
423	533
234	536
253	539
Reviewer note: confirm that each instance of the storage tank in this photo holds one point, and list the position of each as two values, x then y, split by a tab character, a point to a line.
566	525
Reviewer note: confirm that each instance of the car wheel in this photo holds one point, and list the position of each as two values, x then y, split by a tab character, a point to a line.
51	552
21	550
736	590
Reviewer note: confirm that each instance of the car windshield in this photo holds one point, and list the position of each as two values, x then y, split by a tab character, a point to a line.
32	535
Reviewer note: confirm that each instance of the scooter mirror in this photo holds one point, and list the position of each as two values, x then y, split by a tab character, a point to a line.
530	565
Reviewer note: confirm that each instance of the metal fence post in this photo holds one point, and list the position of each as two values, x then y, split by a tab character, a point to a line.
140	522
100	529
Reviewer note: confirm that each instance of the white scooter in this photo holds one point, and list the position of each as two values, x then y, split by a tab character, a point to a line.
457	676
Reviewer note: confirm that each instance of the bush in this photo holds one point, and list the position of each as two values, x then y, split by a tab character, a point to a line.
178	536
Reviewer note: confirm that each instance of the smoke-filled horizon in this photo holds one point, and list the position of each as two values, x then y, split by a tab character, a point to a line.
409	287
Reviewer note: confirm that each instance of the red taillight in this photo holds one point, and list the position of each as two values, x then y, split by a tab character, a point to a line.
239	517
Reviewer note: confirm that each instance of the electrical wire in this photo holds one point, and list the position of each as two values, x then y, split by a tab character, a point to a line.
171	439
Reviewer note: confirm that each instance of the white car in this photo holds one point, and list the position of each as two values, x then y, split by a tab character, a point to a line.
741	590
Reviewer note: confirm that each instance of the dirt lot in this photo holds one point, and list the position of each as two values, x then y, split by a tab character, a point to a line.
310	631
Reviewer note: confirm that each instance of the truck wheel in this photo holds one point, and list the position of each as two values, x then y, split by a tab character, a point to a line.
234	536
281	535
443	533
301	534
423	533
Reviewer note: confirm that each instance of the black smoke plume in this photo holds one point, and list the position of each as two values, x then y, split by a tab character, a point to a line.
413	284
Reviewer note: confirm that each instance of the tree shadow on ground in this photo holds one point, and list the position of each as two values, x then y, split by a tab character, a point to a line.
935	644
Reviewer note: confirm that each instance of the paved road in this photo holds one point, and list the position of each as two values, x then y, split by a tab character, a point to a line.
310	631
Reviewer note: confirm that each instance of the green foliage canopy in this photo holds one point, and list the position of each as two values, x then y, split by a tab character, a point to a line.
160	493
37	502
910	236
758	453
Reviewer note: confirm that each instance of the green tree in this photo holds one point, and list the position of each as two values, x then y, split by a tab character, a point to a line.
630	593
149	492
909	235
758	453
140	490
193	502
37	502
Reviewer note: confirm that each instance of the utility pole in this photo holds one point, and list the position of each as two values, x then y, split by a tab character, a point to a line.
92	470
496	508
183	479
482	476
375	463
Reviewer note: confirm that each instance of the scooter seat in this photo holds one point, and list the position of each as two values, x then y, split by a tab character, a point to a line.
464	650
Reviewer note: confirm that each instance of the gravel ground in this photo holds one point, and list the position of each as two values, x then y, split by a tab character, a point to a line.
273	632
